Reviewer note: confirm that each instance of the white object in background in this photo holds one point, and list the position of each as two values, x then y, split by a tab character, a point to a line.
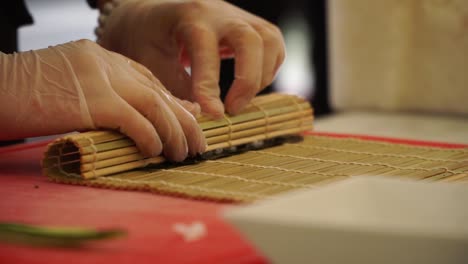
361	220
439	128
399	55
296	75
57	22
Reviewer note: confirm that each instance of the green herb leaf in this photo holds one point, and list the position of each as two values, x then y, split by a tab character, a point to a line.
53	236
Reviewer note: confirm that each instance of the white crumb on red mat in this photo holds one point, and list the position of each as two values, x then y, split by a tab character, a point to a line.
190	232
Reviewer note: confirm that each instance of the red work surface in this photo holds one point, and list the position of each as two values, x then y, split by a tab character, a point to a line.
27	196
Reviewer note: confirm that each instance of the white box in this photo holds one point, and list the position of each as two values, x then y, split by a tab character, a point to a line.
361	220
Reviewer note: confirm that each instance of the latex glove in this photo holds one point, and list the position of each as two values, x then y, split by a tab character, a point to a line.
165	34
81	86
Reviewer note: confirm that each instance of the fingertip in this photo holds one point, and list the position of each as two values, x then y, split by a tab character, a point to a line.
196	111
212	107
175	146
149	149
198	142
176	154
237	98
193	133
146	139
202	146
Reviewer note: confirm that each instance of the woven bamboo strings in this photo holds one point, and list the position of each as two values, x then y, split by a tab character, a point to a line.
101	153
316	161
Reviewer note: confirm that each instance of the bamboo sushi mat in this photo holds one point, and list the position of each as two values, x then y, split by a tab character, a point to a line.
315	161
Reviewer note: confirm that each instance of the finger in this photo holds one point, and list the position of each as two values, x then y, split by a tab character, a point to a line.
150	104
248	49
202	46
193	133
166	123
131	123
274	52
193	108
225	52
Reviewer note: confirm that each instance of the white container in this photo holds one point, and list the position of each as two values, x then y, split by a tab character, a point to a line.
361	220
399	55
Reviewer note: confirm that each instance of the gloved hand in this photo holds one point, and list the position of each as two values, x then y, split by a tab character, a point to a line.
164	35
81	86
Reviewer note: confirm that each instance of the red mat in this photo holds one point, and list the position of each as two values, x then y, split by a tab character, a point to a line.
27	196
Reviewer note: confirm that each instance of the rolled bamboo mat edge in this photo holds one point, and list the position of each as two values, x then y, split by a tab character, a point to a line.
199	194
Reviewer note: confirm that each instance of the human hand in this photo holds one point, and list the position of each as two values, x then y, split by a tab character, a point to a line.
167	35
81	86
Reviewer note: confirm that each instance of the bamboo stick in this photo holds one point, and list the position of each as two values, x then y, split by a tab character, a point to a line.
252	116
245	133
257	123
109	154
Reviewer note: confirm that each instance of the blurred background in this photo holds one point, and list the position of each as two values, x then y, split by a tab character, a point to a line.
303	23
57	21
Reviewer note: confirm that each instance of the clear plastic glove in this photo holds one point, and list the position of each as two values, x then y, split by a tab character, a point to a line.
81	86
166	35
